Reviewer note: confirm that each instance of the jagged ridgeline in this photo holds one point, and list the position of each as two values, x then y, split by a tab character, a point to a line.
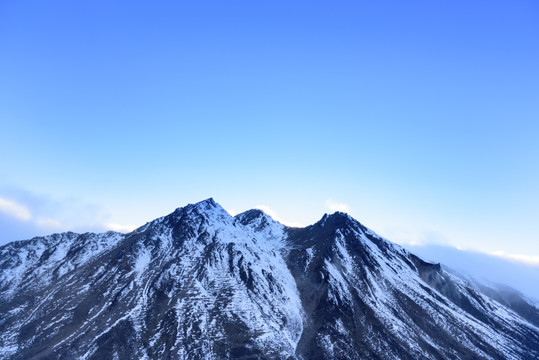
201	284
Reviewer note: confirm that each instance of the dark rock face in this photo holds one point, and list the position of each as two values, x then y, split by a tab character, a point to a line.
200	284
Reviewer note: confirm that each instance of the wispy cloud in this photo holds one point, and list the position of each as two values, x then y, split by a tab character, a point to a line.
124	228
14	209
334	206
24	214
526	259
428	238
50	224
232	212
410	236
276	217
515	271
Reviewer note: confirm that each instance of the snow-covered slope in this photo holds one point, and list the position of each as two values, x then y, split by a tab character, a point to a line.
201	284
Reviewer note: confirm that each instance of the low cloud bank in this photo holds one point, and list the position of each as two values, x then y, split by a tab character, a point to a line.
24	215
494	268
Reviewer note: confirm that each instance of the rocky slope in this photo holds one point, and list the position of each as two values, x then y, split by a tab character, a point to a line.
201	284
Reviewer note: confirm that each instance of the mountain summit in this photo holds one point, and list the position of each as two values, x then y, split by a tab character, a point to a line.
201	284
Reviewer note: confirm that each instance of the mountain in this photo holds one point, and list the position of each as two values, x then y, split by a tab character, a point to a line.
201	284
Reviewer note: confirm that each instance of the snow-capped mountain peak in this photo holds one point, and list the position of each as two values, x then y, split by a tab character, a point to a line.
199	283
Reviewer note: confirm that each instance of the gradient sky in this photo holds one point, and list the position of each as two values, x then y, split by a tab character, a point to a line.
419	118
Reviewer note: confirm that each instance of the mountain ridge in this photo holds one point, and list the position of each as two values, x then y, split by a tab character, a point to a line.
200	283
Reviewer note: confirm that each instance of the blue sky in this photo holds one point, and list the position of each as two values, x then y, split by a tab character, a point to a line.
419	118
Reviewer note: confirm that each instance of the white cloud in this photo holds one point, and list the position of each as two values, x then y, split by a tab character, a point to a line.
527	259
276	217
49	223
518	274
416	237
25	214
13	209
333	206
125	228
232	212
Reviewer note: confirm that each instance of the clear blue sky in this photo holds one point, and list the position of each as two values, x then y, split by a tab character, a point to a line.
420	117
